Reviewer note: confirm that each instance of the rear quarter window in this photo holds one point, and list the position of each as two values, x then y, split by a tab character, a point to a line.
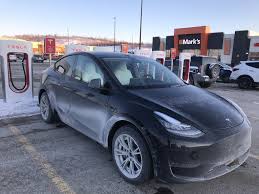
253	64
65	65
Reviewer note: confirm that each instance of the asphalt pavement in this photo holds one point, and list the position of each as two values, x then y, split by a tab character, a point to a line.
36	157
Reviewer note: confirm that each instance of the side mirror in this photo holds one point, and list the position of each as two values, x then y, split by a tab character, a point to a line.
95	83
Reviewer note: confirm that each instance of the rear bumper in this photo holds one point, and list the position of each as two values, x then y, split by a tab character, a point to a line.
192	164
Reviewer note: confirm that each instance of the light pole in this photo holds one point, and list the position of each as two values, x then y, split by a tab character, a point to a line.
68	36
114	32
140	26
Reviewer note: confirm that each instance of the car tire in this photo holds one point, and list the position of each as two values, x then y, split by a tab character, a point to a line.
225	79
46	111
245	82
134	167
213	71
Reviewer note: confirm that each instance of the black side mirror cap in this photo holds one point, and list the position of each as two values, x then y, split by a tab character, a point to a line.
95	83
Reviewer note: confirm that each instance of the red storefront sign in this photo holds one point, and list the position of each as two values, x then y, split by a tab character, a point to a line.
49	45
256	44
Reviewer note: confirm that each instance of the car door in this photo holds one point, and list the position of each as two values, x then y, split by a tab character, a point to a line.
63	68
88	111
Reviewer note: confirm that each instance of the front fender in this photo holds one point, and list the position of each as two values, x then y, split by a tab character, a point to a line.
115	119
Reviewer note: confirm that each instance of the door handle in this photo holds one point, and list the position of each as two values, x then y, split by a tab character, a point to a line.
69	89
84	95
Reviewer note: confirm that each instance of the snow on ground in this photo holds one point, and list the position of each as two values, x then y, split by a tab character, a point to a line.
19	109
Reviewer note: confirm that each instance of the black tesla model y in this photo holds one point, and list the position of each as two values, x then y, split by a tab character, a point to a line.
154	124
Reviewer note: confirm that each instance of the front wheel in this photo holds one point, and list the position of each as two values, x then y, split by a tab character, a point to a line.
45	109
131	155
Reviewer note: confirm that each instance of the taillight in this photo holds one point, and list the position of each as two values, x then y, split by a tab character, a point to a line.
235	69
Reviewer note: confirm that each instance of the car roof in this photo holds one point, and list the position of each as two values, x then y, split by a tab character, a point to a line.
98	54
104	54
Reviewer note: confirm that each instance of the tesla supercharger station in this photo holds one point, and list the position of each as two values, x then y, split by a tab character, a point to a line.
16	70
76	48
184	66
143	52
159	56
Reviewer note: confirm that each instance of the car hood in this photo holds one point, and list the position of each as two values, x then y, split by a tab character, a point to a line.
196	105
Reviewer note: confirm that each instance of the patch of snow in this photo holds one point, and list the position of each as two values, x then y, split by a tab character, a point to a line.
19	109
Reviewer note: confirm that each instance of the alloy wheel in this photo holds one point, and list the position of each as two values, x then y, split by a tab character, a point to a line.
44	107
128	156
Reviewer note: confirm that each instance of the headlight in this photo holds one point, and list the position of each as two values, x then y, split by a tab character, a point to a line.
176	127
239	109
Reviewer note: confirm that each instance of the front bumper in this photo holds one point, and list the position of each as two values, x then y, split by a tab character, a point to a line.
204	162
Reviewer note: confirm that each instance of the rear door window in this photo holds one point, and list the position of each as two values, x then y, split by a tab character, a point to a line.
87	70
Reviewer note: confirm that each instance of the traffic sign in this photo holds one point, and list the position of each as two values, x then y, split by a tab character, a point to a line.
49	45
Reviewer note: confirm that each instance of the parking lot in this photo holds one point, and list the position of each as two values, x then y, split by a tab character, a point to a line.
43	158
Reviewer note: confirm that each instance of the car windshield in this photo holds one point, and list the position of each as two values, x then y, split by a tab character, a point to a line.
140	72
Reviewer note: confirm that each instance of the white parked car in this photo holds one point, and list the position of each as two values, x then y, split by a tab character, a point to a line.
246	74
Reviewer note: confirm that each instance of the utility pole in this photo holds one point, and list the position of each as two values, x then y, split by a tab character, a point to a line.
132	43
114	33
140	27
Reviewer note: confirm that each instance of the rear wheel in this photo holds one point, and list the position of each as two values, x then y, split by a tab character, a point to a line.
191	80
45	109
213	71
245	82
131	155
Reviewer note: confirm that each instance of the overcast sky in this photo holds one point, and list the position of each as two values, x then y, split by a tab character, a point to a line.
95	17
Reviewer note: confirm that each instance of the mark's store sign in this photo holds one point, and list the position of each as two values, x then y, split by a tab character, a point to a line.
190	41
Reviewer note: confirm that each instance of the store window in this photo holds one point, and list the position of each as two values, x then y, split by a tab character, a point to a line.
214	53
227	46
192	51
254	56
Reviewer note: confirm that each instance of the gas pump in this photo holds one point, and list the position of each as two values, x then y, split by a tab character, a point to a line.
16	70
184	66
159	56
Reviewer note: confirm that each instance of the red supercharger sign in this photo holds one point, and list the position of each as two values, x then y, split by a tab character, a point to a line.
49	45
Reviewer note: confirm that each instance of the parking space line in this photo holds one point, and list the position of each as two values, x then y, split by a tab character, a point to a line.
58	181
254	156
